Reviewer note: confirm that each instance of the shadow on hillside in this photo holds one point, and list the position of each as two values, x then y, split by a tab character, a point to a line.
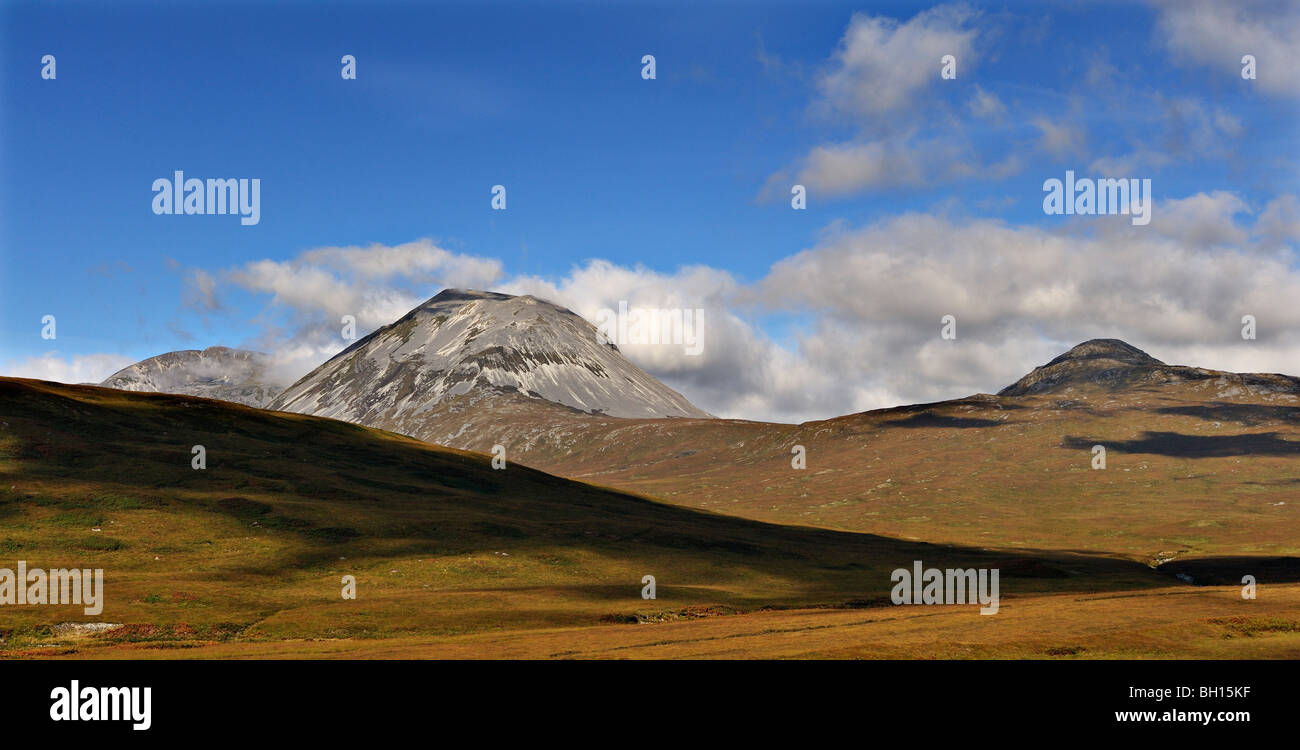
1275	482
1195	446
1228	571
972	403
1247	414
316	490
927	419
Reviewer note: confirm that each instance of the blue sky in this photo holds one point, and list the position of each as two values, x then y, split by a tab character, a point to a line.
678	185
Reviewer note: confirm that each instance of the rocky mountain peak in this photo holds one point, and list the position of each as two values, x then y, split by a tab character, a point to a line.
474	343
1108	349
219	372
1107	363
1111	364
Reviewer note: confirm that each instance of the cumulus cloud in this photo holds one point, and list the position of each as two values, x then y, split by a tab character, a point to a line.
421	261
1203	220
864	304
1023	294
371	283
1216	35
868	304
841	168
739	372
1279	222
876	79
898	162
375	284
881	64
79	368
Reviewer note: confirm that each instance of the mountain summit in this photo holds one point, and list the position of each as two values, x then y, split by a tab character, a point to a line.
237	375
463	347
1109	350
1111	364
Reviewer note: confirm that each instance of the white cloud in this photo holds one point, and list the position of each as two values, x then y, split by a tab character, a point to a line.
869	303
1060	139
1217	35
986	105
863	305
200	291
1279	222
359	281
1023	294
848	167
876	77
375	284
740	372
79	368
839	169
1203	220
881	64
420	261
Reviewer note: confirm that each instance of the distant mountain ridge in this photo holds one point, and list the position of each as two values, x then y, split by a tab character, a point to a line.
465	347
972	469
219	372
1111	364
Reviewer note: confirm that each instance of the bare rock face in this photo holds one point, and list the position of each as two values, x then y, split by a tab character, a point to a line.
218	372
1111	364
483	348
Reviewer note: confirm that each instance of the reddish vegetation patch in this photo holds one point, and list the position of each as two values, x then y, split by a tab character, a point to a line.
1253	626
694	612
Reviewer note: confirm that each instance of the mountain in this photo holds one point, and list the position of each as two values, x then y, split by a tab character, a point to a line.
236	375
1111	364
480	352
1199	462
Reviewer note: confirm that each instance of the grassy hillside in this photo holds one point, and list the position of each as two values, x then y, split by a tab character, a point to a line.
1192	470
253	547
